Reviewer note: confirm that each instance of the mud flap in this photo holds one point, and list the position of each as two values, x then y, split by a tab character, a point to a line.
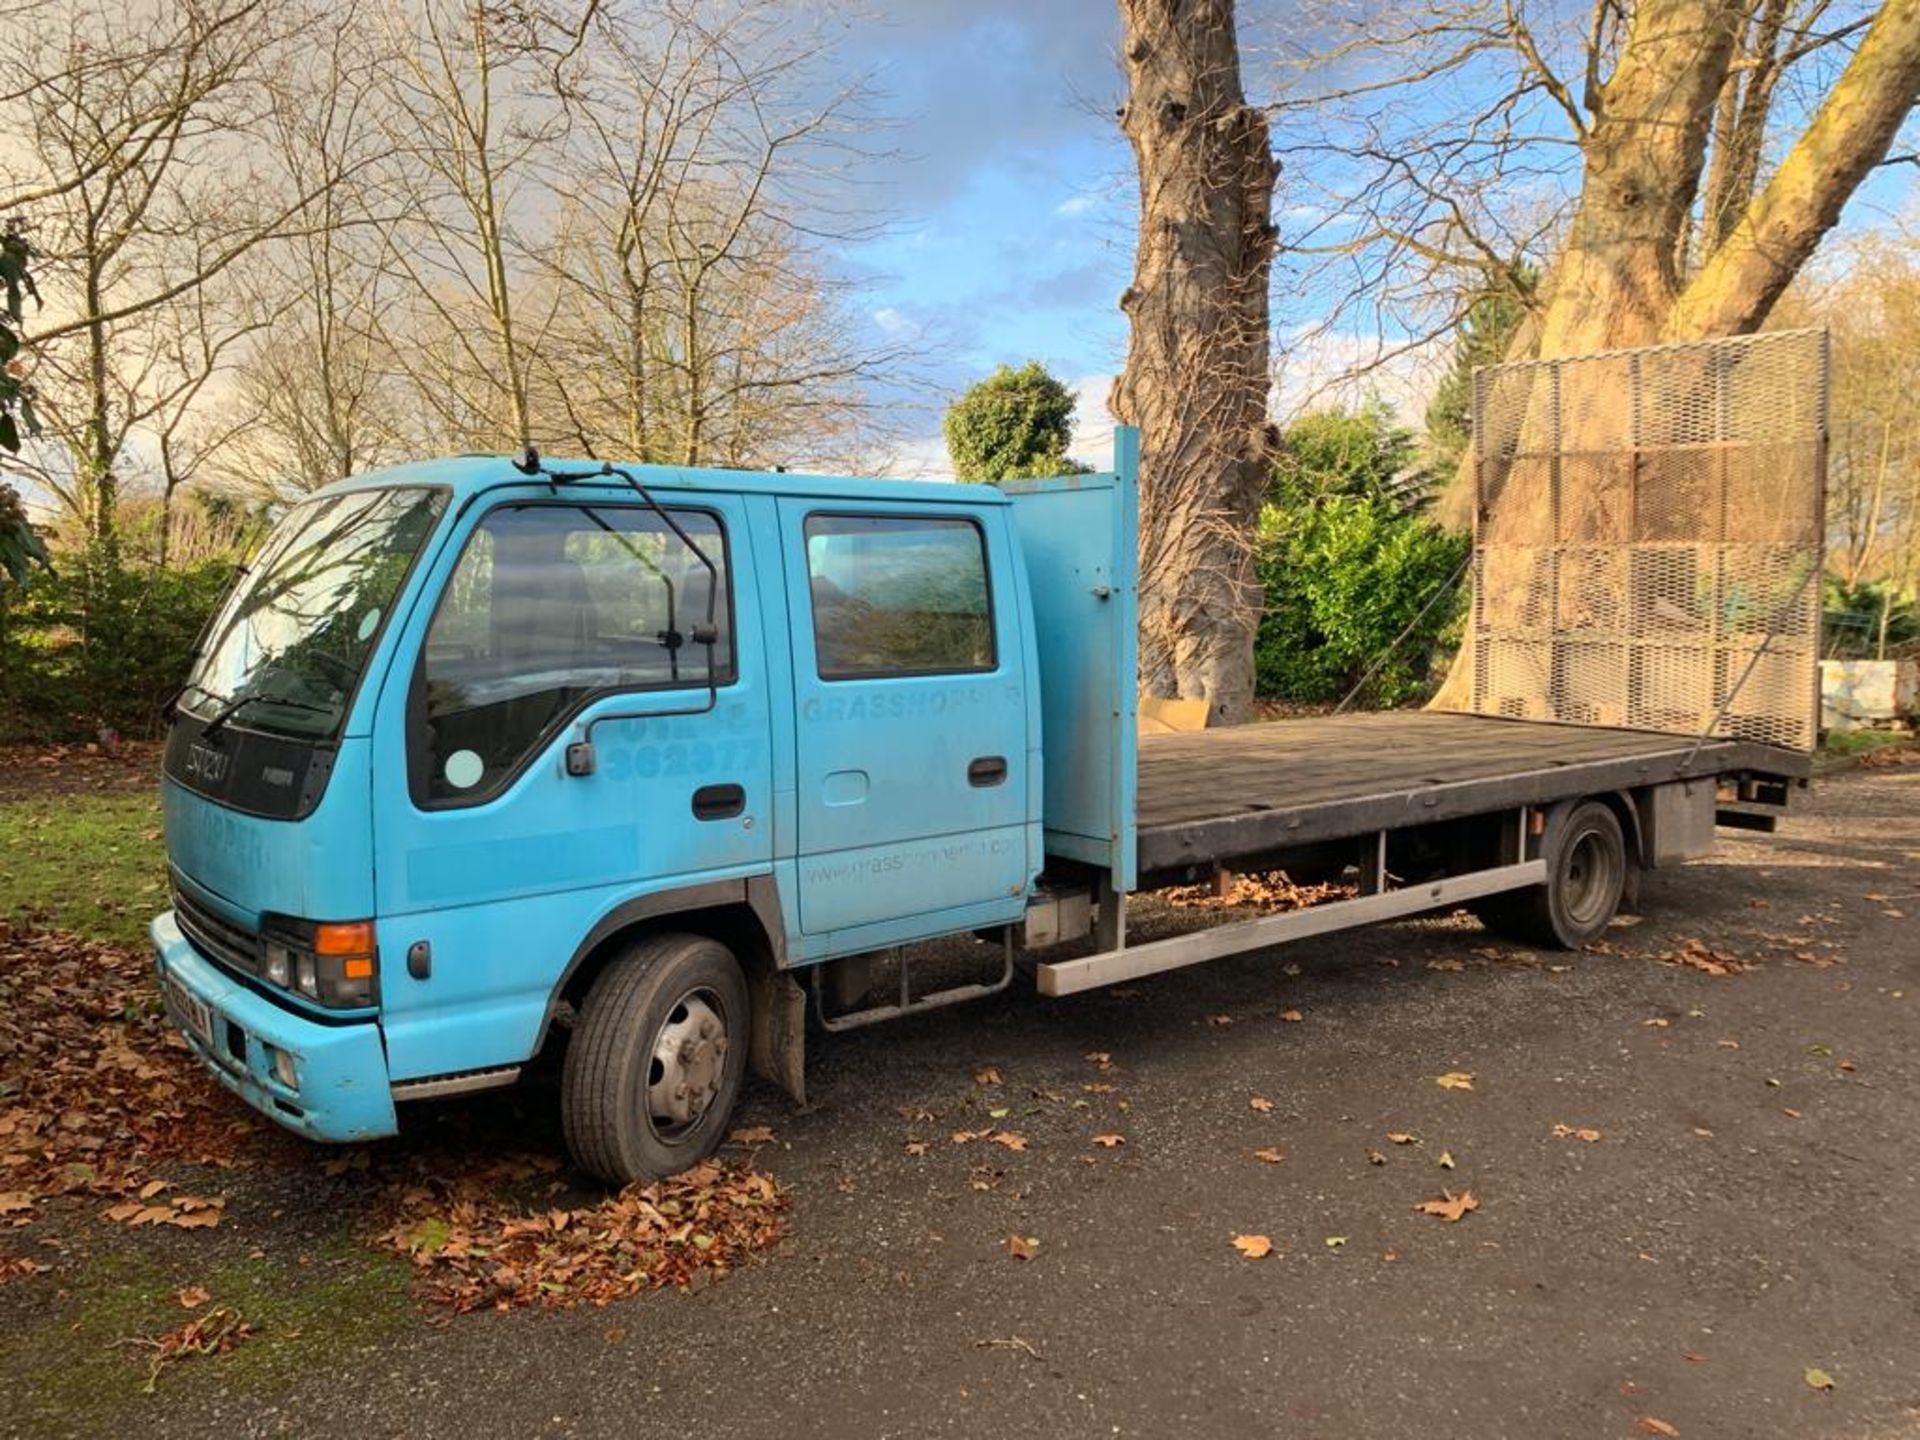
778	1048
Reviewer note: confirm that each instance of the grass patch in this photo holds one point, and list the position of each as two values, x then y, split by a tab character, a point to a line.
1842	745
75	1375
93	864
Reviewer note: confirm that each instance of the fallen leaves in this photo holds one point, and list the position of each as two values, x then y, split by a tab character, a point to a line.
192	1297
752	1135
1570	1132
183	1212
986	1075
99	1090
1109	1142
1023	1247
1455	1080
1652	1425
1818	1379
1009	1139
472	1245
1402	1137
1253	1247
1449	1207
1292	1017
1270	891
1269	1155
215	1332
1259	1104
1696	955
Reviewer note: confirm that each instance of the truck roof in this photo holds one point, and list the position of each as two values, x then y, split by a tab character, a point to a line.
467	475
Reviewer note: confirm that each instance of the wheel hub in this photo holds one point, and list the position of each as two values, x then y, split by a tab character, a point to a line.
688	1062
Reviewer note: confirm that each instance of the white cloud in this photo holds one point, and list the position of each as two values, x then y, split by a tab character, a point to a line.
1320	368
1092	441
1076	204
896	324
924	458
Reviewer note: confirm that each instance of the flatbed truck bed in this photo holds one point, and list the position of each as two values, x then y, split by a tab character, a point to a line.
1210	797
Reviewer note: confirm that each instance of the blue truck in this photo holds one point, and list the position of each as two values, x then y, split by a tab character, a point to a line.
643	772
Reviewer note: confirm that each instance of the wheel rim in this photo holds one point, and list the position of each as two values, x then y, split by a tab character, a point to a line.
687	1065
1590	881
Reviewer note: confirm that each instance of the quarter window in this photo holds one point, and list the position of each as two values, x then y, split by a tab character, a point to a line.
553	604
898	595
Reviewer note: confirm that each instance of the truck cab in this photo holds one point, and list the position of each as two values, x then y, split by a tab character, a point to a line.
488	754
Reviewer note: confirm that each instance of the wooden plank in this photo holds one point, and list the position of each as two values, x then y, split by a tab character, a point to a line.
1214	795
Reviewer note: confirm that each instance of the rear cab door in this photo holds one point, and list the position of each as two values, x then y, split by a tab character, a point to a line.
915	725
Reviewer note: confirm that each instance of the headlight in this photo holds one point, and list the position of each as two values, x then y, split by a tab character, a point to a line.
331	962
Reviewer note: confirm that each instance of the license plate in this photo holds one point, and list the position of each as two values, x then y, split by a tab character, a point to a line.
190	1011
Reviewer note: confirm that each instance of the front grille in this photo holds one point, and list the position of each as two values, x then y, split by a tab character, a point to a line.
215	936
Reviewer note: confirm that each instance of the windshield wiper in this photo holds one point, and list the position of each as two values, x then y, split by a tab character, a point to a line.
239	702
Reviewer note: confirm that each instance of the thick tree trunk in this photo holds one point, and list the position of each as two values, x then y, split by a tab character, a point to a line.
1196	375
1737	287
1614	281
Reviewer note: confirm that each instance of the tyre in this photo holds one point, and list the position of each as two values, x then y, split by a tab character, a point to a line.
656	1060
1587	874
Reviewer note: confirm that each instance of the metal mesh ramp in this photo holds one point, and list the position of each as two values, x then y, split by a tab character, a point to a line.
1648	545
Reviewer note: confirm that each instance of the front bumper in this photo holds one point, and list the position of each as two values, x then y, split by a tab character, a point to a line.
342	1094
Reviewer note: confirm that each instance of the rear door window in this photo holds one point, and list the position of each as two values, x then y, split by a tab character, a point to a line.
550	606
898	595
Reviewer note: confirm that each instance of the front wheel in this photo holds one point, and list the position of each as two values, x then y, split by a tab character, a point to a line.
1587	873
656	1060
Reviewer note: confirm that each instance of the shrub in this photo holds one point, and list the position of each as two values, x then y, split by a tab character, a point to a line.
1348	562
93	644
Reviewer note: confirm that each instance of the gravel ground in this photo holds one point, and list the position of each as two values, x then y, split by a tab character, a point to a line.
1749	1210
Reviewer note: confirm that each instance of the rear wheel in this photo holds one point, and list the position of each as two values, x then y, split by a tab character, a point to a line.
656	1060
1587	873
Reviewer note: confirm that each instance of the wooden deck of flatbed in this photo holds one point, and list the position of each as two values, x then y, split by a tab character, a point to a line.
1212	796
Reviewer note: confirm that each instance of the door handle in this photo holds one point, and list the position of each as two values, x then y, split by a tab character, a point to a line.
987	770
719	802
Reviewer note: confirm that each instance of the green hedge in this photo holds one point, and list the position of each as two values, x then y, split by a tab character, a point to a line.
1344	575
94	644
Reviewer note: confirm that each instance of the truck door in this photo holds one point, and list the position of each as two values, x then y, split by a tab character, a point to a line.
490	857
912	721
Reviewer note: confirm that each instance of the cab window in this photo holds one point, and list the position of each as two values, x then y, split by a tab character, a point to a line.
898	595
550	606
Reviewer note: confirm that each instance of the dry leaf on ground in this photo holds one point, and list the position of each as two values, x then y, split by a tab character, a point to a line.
1254	1247
1455	1080
1023	1247
1449	1206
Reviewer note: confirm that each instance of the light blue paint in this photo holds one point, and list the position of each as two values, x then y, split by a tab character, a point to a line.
343	1087
1078	537
861	807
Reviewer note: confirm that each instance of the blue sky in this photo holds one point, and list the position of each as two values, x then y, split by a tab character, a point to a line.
1010	197
1009	193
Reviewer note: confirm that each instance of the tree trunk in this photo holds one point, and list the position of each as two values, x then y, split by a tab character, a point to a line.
1614	281
1737	287
1195	380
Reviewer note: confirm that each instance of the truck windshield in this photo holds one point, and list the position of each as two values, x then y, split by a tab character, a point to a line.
287	649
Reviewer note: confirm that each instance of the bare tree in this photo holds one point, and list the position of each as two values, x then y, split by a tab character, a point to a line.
1626	148
696	194
131	170
472	122
320	389
1195	380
